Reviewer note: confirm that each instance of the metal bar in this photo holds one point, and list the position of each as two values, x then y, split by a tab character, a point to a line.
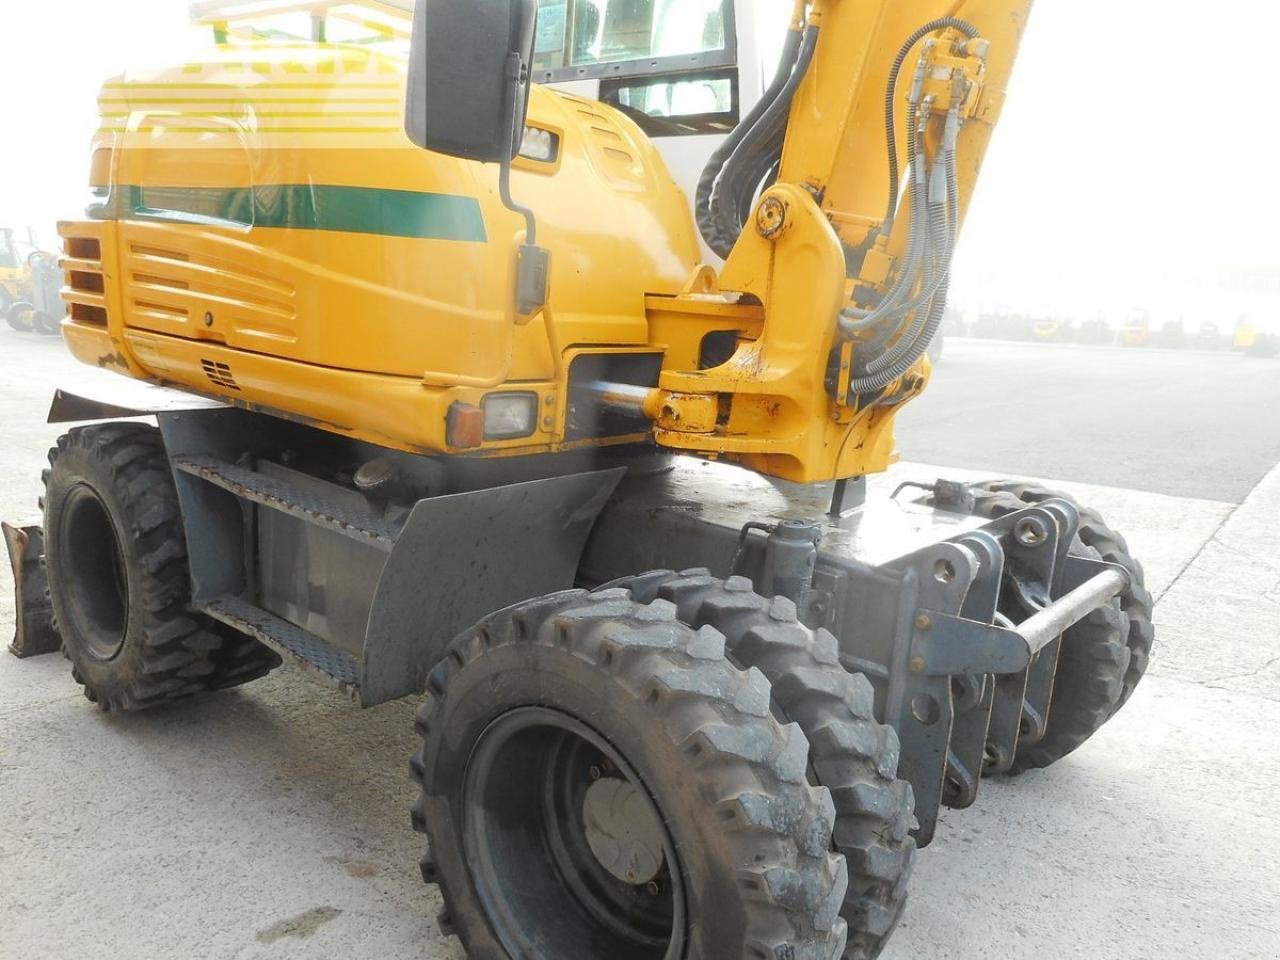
625	398
847	495
1046	626
944	644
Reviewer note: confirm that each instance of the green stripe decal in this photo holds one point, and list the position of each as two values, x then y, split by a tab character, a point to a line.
388	213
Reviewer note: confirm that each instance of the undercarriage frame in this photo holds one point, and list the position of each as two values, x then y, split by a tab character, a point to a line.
956	620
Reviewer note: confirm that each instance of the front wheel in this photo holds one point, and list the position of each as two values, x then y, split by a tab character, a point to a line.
851	754
599	781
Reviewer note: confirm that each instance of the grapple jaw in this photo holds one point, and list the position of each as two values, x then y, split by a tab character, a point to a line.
35	632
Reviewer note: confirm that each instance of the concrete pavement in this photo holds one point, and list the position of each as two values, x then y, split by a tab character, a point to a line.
1189	423
271	822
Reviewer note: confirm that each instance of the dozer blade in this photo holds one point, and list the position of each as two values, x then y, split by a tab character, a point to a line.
35	633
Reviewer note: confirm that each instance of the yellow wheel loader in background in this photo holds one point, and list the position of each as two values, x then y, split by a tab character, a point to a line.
449	405
15	279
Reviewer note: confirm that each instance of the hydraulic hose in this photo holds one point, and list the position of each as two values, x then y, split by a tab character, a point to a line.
759	152
735	172
704	198
890	99
851	320
943	227
917	329
916	339
923	280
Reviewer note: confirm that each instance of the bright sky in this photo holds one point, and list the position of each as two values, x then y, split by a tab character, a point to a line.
1134	166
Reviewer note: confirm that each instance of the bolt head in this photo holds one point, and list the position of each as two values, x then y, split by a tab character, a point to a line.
374	474
1031	533
923	621
917	664
771	217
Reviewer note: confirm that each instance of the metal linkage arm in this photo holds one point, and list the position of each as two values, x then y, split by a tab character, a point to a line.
945	644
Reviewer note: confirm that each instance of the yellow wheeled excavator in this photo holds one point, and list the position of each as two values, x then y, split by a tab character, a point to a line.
450	406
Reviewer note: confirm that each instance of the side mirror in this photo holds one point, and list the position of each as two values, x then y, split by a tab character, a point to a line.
468	89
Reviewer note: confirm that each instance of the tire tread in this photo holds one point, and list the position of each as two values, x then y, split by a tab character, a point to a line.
174	653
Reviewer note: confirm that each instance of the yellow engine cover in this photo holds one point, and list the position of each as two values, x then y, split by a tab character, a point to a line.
263	215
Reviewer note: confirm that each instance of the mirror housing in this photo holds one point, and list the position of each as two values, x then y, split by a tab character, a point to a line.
469	70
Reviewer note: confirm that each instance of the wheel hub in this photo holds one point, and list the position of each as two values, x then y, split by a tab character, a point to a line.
565	845
622	831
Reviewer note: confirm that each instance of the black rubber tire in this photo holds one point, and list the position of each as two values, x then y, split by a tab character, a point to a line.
851	754
728	778
118	579
1096	661
45	324
19	315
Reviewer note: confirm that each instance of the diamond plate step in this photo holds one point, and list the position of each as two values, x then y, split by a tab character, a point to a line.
288	639
279	494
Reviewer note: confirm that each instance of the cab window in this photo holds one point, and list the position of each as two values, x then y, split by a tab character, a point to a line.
581	39
677	105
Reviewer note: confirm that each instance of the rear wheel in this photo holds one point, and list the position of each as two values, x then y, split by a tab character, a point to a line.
118	577
599	781
851	754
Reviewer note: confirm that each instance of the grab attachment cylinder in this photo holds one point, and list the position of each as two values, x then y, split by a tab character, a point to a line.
790	554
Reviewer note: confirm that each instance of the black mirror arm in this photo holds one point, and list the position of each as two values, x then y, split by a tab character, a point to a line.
533	268
515	79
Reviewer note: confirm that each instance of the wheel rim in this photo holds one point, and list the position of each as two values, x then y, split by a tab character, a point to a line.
555	821
91	565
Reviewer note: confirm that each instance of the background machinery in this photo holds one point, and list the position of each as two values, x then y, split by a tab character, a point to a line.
15	274
41	307
449	405
30	285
